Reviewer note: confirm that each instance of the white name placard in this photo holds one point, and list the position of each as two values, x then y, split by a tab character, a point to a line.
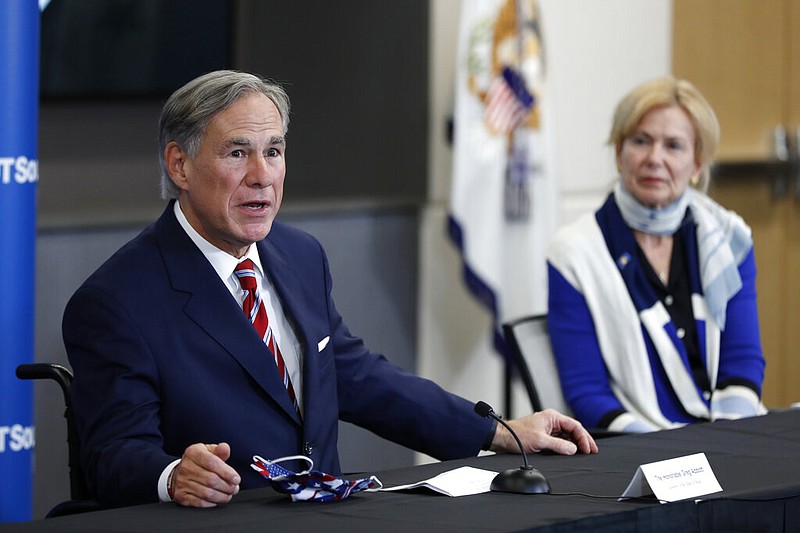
676	479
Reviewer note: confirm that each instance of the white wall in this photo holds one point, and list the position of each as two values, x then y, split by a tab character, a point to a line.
596	50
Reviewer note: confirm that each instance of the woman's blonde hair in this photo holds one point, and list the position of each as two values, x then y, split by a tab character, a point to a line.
666	92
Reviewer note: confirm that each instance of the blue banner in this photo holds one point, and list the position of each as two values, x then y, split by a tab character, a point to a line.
19	174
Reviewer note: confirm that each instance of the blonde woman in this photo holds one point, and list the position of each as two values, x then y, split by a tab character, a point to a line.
652	300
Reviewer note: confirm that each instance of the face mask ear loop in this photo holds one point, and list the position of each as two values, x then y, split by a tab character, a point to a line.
258	460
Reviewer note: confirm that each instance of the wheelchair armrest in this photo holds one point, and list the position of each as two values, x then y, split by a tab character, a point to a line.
58	373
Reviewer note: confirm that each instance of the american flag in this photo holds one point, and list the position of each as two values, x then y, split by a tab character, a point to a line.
508	102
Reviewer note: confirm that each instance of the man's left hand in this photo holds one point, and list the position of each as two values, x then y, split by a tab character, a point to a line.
545	430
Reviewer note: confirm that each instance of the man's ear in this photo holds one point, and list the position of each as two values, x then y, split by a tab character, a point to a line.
175	158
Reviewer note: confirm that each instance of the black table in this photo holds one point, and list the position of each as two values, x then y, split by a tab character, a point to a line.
757	462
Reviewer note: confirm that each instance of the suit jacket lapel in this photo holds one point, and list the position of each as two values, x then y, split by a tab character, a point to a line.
289	287
212	308
308	324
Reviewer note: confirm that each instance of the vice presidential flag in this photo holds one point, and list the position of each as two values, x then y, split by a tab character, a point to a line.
504	197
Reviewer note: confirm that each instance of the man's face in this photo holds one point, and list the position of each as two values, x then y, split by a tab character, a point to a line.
232	189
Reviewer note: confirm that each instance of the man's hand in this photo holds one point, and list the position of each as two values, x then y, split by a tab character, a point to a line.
202	478
545	430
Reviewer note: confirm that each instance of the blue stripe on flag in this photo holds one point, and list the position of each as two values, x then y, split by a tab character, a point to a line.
517	85
479	288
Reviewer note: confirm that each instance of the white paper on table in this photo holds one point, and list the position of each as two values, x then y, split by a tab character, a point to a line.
461	481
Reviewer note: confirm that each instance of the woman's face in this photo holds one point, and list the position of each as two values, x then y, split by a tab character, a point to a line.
657	161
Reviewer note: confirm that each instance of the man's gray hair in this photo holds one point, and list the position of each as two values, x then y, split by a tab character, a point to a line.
191	108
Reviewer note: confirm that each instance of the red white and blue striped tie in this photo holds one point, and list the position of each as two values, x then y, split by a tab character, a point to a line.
254	309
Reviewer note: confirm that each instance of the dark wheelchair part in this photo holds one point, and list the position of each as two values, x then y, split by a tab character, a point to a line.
81	499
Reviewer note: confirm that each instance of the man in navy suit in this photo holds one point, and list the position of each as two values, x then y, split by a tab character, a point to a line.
175	391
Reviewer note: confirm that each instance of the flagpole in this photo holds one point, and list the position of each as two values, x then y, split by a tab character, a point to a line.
19	111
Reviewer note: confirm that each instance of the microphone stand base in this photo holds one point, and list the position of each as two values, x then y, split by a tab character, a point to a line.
520	481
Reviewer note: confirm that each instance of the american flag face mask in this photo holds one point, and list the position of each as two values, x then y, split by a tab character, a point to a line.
309	485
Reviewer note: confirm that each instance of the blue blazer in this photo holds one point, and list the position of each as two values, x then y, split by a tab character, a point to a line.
163	358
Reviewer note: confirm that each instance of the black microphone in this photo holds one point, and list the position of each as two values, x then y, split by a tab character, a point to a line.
522	480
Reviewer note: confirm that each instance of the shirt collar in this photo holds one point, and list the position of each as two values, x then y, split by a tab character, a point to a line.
223	262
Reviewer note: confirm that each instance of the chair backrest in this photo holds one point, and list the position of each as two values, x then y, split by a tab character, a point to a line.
528	340
81	498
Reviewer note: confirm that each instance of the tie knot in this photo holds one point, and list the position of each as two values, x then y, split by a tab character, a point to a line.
246	273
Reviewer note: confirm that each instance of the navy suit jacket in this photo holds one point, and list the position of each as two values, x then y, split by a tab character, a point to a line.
163	358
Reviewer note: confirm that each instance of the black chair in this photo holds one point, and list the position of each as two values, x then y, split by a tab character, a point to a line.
80	497
528	340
